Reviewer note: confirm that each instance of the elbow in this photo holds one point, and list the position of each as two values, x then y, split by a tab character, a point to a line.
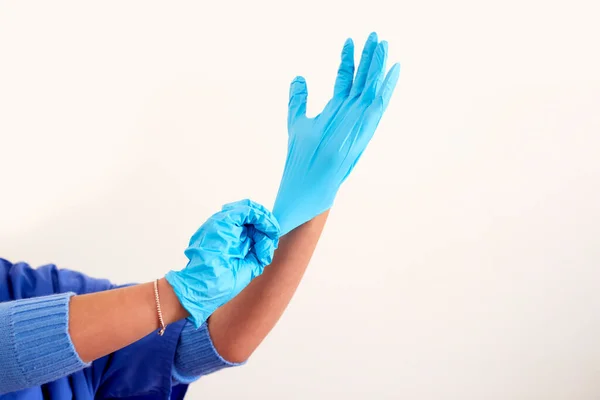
233	351
234	343
234	354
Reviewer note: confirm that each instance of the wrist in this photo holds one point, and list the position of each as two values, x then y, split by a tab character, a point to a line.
170	305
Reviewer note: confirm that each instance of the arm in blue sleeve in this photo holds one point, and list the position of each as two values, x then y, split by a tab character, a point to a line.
35	346
196	355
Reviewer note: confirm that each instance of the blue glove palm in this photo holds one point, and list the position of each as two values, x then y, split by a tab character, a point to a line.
229	250
322	151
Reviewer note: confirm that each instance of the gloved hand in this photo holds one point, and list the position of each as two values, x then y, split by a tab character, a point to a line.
229	250
323	150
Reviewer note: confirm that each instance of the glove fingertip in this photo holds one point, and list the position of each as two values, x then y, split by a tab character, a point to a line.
384	45
298	88
373	38
299	79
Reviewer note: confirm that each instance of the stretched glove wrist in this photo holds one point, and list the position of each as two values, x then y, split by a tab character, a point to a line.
294	211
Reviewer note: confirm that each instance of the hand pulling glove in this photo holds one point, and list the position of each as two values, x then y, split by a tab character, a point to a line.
229	250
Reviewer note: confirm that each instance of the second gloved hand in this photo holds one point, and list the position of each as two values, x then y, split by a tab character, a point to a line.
229	250
322	151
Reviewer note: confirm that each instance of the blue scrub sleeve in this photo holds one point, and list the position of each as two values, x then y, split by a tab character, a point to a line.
35	346
34	321
196	355
141	369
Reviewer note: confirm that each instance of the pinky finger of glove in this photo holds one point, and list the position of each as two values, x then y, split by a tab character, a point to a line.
388	86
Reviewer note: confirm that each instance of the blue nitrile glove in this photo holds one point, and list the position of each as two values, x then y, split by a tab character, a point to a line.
229	250
323	150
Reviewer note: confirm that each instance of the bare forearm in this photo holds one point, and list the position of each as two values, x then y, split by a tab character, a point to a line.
104	322
238	327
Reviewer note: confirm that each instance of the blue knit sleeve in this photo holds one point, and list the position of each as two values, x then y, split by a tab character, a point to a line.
35	346
196	355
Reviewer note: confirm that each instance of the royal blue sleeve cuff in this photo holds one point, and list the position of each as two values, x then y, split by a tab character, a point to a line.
196	355
35	346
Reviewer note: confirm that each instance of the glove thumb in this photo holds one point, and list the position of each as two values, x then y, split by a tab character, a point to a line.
247	269
298	96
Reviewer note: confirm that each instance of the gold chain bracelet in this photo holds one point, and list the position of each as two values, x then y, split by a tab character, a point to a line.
161	331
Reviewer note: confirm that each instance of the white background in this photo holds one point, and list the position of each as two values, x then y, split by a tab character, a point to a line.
461	260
